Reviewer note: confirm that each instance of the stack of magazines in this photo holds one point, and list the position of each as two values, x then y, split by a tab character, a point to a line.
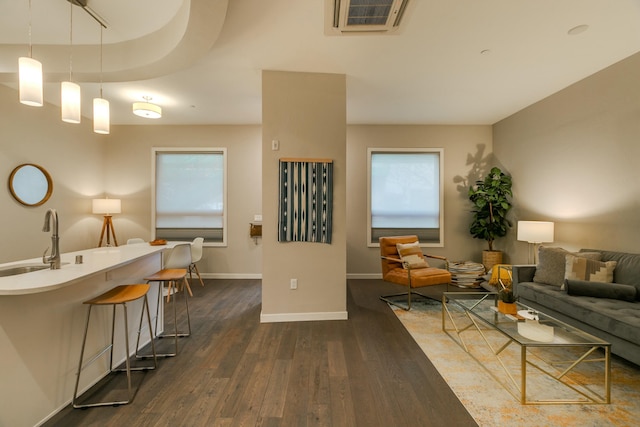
466	274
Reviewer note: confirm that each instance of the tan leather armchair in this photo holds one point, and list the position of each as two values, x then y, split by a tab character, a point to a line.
395	271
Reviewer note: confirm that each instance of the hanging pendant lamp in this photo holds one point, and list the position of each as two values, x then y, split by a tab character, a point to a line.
30	75
101	105
101	116
70	97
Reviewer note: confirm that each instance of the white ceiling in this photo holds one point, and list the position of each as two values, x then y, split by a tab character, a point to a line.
201	60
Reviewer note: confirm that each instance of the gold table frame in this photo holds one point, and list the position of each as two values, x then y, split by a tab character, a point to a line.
483	323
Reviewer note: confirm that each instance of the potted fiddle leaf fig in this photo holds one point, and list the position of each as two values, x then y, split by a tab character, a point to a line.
491	198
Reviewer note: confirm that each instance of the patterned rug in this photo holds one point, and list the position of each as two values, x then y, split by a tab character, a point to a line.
489	402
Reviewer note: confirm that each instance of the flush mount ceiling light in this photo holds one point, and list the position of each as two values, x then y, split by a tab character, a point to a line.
147	109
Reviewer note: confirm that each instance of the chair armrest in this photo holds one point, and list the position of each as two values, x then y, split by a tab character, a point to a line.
388	258
439	257
405	264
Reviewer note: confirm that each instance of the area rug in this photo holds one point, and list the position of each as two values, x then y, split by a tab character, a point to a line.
489	402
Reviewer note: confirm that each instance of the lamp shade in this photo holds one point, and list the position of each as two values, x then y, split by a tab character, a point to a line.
70	100
535	231
30	76
107	206
147	110
100	115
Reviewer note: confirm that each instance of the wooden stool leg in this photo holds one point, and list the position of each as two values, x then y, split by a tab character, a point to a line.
198	273
186	283
171	285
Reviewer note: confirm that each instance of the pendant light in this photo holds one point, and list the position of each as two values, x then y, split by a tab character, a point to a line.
100	105
69	91
30	75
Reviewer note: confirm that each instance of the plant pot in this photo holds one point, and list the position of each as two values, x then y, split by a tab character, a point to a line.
491	258
507	307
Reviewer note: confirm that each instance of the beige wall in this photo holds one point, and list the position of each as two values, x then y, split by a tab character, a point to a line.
306	112
461	145
85	165
574	160
572	157
72	154
128	176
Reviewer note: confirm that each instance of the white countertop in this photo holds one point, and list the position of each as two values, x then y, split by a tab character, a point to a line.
95	261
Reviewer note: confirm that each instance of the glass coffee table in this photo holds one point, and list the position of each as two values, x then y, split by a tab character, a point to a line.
567	365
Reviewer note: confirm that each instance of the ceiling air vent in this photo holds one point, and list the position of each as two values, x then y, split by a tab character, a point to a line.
353	16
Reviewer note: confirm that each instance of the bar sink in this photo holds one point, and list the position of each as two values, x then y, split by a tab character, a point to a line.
21	269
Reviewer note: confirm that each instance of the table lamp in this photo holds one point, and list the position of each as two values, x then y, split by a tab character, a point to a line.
535	232
107	207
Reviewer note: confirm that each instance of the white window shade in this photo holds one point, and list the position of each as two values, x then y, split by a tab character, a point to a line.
190	194
405	194
405	190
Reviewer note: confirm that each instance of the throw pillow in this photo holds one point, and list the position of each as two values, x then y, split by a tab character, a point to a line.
600	290
578	268
552	264
410	253
500	271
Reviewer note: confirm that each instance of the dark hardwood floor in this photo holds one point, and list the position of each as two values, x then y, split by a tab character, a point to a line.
233	371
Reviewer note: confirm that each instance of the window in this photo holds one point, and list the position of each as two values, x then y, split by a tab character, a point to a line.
189	194
405	194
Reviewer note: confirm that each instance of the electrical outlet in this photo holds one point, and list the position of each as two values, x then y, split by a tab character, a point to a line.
257	217
294	283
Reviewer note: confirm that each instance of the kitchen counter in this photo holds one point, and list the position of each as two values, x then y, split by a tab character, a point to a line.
95	261
42	318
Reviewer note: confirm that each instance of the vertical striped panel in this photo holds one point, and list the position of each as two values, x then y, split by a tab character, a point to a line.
306	201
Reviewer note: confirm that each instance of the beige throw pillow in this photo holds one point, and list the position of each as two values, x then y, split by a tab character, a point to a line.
578	268
552	264
410	253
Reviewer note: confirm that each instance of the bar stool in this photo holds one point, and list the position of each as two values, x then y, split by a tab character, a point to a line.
174	274
120	295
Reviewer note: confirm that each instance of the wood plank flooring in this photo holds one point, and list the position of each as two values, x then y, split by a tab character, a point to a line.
233	371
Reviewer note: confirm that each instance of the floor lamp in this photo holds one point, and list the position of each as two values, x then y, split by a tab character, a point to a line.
535	232
107	207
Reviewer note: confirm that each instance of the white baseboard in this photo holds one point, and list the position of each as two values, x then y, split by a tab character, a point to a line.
367	276
302	317
231	275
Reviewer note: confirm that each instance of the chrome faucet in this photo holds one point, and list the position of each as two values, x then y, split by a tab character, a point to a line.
54	259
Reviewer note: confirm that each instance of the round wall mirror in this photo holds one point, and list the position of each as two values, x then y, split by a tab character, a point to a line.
30	184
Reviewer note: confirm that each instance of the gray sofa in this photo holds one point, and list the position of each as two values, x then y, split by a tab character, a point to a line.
614	320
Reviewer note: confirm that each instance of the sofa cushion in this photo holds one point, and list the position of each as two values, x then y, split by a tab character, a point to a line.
600	290
551	264
579	268
410	253
619	318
